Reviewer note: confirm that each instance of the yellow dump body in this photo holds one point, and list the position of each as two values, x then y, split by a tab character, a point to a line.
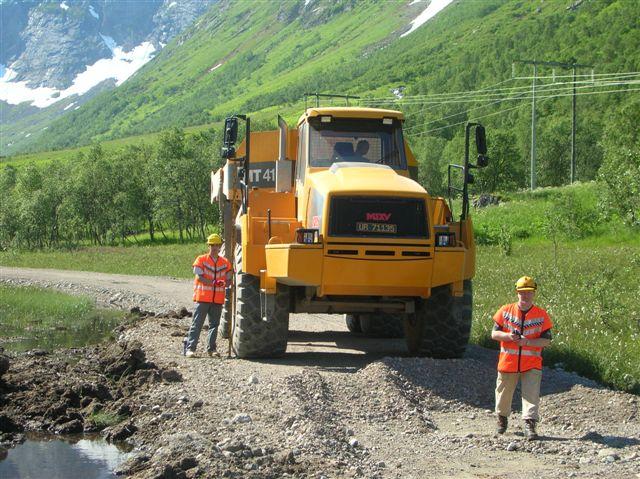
339	264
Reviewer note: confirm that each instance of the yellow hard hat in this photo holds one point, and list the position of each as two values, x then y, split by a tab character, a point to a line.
214	239
526	283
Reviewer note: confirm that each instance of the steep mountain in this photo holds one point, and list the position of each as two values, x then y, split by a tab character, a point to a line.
52	52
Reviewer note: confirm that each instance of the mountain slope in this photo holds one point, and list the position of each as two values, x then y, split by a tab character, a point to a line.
248	57
234	53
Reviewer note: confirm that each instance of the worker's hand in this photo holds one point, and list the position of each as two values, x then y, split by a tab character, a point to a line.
220	283
515	337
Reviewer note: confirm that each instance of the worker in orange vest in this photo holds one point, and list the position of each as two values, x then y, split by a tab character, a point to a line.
212	274
523	330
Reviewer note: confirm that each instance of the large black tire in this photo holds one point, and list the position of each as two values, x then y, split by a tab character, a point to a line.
353	323
227	310
441	325
254	337
382	325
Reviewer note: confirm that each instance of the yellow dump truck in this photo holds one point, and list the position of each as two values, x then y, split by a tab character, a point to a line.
329	218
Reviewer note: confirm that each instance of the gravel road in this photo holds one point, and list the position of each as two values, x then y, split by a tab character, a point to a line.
339	405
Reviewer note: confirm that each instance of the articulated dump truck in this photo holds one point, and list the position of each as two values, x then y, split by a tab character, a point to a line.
329	218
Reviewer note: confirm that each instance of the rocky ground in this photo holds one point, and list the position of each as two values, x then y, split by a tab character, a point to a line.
336	406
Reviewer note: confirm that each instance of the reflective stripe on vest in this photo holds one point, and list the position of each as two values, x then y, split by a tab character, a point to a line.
524	352
210	293
513	358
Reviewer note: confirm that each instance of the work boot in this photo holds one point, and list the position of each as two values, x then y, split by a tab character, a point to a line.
530	429
503	422
213	354
190	354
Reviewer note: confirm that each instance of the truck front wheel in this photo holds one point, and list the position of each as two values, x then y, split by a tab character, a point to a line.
441	325
253	335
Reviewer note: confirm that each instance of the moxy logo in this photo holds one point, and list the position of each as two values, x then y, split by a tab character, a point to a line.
378	216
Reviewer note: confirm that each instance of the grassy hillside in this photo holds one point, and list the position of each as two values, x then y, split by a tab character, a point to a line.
261	57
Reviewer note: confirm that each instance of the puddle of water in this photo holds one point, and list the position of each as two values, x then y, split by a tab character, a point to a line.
79	335
61	458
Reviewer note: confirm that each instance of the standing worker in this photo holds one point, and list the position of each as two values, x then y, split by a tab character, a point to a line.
523	331
212	273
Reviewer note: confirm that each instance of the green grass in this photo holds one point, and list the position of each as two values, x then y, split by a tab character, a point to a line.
104	419
39	318
166	260
573	212
591	294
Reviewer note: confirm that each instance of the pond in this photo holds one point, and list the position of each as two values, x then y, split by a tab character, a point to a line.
55	457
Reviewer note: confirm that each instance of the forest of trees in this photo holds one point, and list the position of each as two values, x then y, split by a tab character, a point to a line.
104	198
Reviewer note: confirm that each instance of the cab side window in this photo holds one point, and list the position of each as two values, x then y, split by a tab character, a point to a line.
301	163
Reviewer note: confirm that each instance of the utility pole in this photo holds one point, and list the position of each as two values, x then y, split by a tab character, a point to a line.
571	65
533	128
573	126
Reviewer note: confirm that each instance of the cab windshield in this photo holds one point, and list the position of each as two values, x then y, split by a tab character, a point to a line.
362	140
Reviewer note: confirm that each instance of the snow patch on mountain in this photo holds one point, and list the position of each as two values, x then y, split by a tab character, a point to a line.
93	13
64	6
120	67
434	7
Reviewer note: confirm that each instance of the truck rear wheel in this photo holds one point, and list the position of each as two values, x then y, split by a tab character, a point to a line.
441	325
353	323
254	337
382	325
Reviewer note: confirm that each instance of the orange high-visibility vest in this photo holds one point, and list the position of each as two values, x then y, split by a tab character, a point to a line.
214	271
530	324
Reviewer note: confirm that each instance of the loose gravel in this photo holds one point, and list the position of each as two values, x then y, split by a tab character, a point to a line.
328	410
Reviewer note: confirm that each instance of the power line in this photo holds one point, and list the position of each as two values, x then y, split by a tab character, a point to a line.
488	90
544	98
498	96
465	121
520	97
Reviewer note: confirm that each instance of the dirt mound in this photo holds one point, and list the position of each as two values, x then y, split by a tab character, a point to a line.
80	390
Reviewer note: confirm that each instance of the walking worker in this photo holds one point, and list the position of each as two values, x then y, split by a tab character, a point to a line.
212	274
523	330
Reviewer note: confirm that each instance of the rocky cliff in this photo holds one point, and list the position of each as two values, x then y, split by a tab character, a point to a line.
47	44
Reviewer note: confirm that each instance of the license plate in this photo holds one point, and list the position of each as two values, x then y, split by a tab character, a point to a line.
376	228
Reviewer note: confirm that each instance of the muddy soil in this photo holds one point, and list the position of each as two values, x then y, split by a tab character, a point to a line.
336	405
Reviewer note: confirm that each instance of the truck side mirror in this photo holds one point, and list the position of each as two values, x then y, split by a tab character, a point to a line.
481	141
230	137
230	131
